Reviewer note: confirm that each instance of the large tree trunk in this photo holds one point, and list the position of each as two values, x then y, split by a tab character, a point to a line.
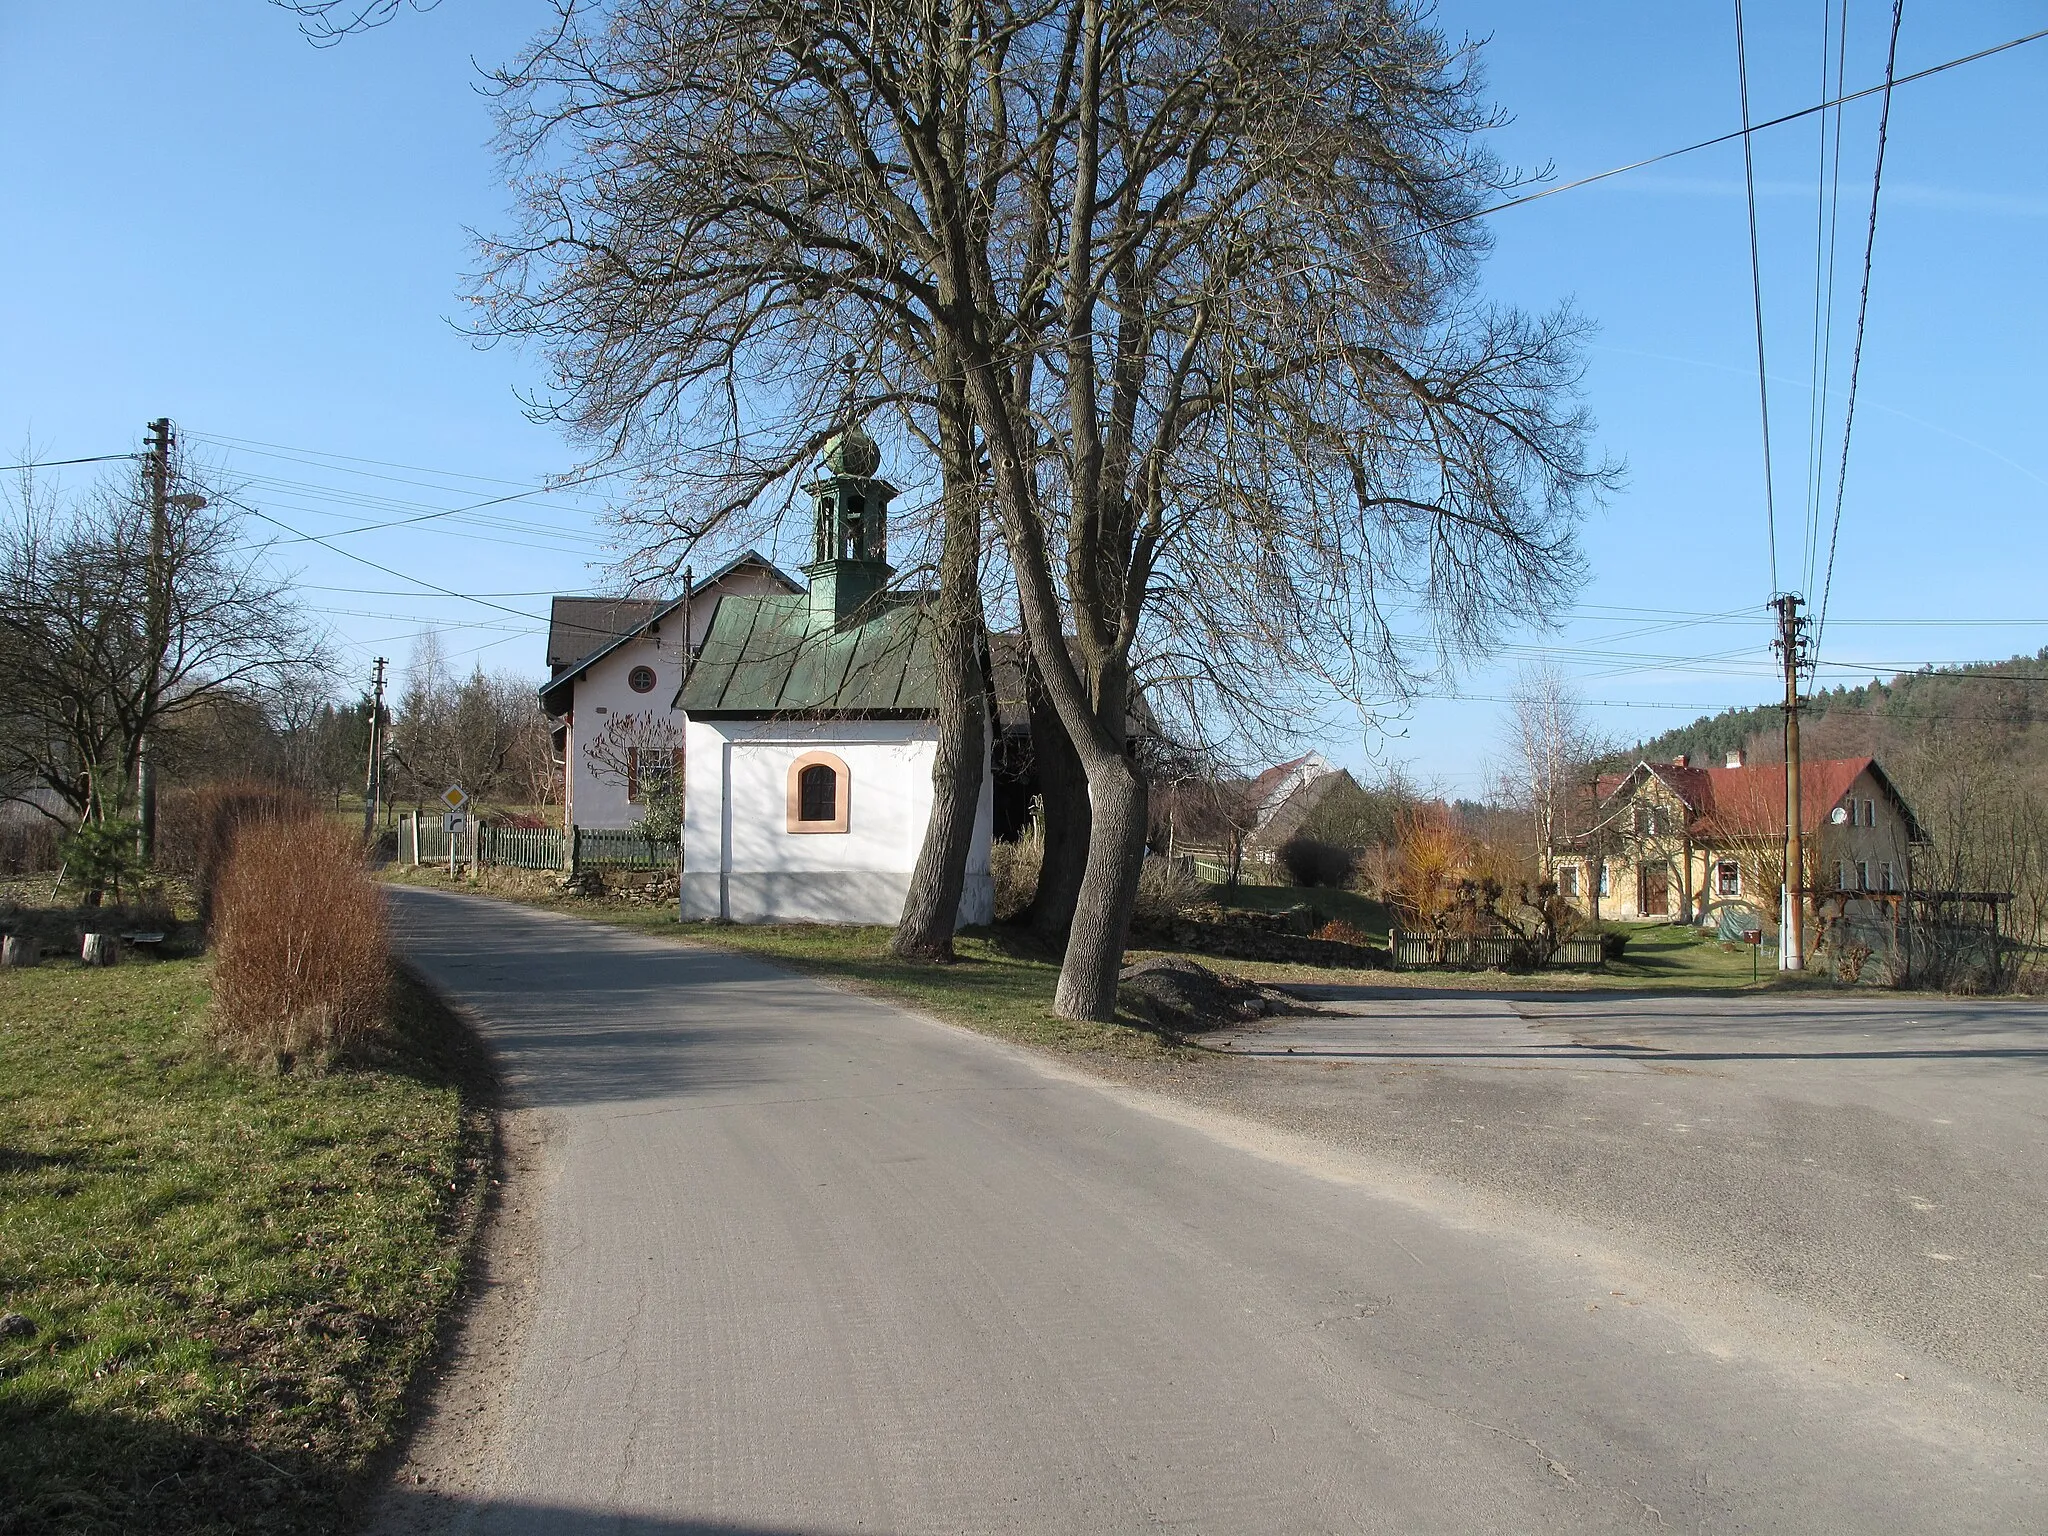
1109	890
1063	795
931	906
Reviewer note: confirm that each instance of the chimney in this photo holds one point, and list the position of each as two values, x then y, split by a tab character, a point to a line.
1735	757
1681	761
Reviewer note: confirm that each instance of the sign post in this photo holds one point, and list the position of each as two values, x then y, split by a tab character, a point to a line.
455	797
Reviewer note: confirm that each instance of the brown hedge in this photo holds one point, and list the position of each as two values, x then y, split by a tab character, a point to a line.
301	956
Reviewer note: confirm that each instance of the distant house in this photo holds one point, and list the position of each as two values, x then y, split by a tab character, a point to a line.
1286	796
615	665
812	730
1677	842
1242	822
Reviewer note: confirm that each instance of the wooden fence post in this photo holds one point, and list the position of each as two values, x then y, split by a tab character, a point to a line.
575	847
19	949
100	949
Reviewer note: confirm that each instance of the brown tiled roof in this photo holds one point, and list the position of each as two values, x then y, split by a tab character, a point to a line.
579	626
1750	801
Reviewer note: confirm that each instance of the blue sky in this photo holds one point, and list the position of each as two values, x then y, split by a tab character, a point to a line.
210	218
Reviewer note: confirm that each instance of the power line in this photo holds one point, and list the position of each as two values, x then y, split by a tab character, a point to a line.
1827	205
1756	289
1862	314
316	456
97	458
1723	138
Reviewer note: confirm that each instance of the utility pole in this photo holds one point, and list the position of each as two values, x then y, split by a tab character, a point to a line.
373	778
156	621
1791	648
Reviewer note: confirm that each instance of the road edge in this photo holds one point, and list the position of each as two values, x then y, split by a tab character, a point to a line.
442	1453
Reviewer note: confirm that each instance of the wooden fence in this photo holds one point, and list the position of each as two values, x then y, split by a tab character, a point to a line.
626	848
520	847
1451	952
425	841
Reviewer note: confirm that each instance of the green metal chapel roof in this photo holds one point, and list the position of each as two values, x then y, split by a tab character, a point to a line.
771	655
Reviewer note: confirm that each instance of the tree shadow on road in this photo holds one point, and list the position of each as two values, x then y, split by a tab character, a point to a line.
404	1509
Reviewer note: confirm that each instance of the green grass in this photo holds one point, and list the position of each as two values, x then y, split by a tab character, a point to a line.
232	1276
998	985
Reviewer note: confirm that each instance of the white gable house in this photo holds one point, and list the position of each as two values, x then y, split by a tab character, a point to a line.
813	730
616	665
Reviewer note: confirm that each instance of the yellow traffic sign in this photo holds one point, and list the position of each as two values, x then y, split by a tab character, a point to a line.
455	797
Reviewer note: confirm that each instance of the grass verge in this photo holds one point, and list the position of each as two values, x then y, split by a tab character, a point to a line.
999	984
232	1276
1004	987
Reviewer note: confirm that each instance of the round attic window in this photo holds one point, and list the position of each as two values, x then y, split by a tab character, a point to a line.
641	679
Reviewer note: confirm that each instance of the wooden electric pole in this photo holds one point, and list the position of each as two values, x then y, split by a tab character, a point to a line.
373	778
1791	648
157	454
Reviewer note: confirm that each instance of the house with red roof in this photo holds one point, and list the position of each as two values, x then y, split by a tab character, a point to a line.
1677	842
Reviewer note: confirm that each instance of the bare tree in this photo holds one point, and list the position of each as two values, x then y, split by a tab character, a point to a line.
114	627
484	732
326	22
1550	743
1209	275
643	754
959	654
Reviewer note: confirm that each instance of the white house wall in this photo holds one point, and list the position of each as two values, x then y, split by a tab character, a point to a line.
595	798
741	862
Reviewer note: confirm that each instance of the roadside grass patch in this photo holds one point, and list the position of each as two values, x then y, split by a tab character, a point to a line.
999	983
231	1274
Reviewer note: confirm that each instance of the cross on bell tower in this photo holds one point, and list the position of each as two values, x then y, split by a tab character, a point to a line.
849	561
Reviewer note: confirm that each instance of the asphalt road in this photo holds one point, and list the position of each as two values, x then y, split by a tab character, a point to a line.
811	1264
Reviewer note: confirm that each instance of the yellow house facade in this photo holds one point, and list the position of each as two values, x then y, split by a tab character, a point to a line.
1675	842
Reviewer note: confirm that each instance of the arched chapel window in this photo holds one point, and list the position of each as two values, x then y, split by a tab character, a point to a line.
818	793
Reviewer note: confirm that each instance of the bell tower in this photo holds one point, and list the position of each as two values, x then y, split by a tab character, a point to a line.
850	537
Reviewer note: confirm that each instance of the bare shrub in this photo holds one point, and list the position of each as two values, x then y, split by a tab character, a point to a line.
1376	871
1014	867
28	844
1311	861
1166	888
300	953
1341	932
196	829
1433	852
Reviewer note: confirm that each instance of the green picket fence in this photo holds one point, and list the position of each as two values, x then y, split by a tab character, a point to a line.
533	847
623	848
521	847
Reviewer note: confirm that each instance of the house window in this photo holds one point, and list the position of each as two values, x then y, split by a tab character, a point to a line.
652	772
1727	878
1605	888
1884	876
641	679
1870	813
1842	876
1568	881
818	793
1862	876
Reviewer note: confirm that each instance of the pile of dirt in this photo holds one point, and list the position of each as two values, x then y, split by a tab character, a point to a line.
1173	993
